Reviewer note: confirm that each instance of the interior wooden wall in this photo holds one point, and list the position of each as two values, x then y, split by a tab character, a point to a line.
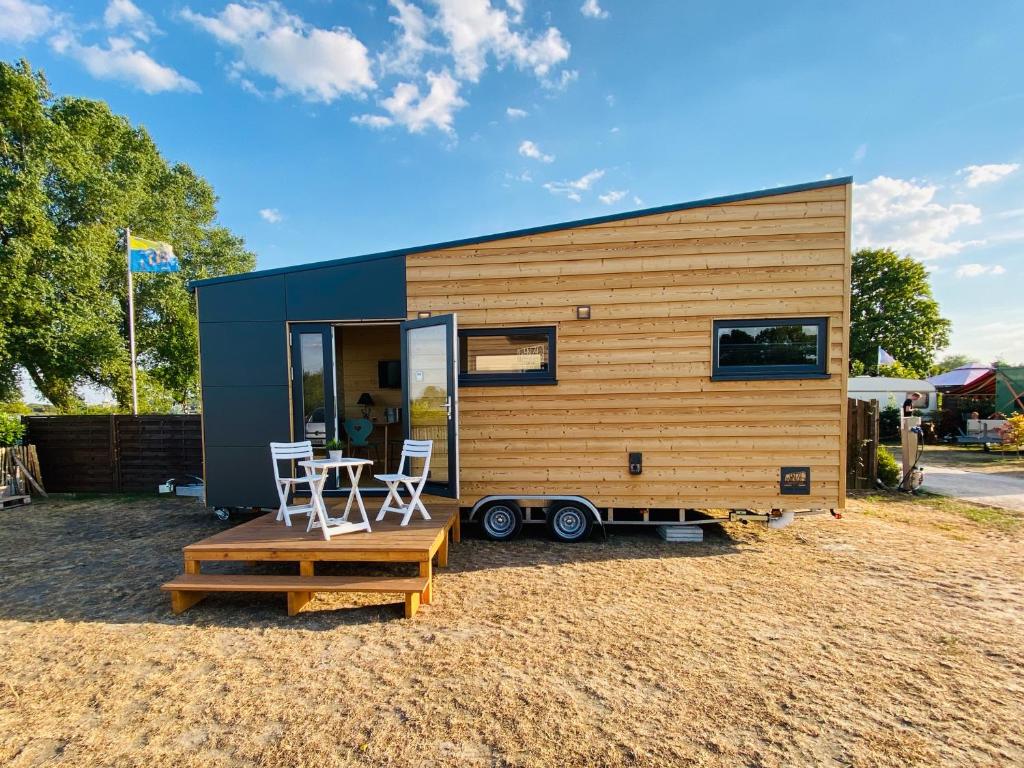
357	351
636	377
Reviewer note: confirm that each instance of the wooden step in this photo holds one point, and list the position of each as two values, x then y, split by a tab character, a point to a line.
188	589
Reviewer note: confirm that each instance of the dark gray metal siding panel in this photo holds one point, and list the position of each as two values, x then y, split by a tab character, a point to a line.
239	477
245	406
246	416
364	290
245	362
260	298
244	354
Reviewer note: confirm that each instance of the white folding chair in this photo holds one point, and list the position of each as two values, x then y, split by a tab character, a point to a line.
411	449
292	452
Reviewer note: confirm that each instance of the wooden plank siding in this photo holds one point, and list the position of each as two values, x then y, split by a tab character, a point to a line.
637	376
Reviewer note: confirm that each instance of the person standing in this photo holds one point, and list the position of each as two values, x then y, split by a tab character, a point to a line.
908	404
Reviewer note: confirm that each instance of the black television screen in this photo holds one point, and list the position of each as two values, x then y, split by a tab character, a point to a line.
389	374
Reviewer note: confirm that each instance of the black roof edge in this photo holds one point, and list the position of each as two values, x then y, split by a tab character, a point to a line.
524	232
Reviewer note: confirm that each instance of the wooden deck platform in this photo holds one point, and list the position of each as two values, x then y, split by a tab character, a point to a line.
265	539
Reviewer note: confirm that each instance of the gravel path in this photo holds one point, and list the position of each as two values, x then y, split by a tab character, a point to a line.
977	487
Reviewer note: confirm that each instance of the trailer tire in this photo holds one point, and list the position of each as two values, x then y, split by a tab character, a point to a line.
222	513
570	522
501	520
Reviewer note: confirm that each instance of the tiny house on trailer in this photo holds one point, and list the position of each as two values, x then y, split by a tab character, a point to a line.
632	368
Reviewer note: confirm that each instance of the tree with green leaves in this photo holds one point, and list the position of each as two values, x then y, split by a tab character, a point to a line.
72	176
949	363
892	307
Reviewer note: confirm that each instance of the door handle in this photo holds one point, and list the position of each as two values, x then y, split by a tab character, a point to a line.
448	407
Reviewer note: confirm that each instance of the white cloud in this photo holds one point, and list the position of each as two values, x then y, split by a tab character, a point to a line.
378	122
514	113
413	41
637	200
565	78
860	153
977	270
518	8
612	197
271	215
986	174
315	63
475	29
532	151
989	332
125	14
21	21
524	177
121	60
592	10
904	215
406	106
573	188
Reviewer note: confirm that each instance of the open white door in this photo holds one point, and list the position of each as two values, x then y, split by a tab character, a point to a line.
430	395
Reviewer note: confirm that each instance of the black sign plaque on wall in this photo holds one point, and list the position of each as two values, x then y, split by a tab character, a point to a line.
795	481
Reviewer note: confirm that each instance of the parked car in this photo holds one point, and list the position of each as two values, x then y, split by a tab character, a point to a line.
316	428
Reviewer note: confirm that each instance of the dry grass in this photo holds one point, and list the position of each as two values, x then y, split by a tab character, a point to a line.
889	638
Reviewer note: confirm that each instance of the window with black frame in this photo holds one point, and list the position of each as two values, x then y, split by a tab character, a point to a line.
780	348
506	356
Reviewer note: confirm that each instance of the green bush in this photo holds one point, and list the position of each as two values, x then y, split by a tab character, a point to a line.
888	468
11	429
889	422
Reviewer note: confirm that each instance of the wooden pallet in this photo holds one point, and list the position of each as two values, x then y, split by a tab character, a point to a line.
9	502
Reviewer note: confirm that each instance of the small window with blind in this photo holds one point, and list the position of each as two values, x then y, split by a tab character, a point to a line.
780	348
506	356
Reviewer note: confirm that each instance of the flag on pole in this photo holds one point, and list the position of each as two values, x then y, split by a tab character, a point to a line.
884	358
151	255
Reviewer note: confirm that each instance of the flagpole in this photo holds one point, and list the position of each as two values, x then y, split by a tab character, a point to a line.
131	319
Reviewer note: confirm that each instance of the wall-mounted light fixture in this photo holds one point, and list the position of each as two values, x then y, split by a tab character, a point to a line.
422	315
583	313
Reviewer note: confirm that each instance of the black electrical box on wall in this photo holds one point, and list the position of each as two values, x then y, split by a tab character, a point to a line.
636	463
795	481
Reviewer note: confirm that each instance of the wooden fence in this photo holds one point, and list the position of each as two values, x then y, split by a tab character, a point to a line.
115	453
862	445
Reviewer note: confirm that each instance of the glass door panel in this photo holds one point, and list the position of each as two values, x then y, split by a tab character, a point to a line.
430	362
314	399
313	387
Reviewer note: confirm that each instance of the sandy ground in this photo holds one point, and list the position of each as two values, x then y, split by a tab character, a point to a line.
888	638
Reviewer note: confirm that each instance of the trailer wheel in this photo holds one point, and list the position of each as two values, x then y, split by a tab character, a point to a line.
501	520
570	522
222	513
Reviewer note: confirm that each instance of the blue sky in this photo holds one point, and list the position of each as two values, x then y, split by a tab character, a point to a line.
338	128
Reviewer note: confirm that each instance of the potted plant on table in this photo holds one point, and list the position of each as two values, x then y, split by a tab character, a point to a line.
334	448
